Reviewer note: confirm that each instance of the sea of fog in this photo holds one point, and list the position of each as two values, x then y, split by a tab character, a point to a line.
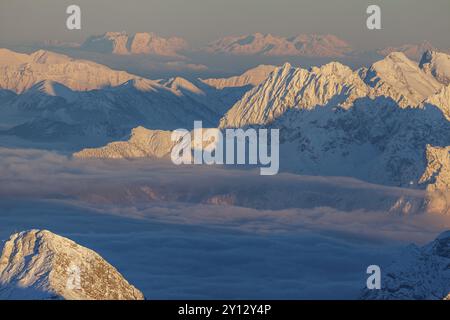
211	233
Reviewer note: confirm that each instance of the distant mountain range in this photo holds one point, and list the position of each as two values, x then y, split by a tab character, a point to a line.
139	43
257	44
267	44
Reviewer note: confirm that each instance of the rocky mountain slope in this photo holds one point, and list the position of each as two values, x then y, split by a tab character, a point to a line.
417	274
38	264
140	43
270	45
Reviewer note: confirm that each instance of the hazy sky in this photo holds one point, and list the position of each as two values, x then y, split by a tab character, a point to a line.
200	21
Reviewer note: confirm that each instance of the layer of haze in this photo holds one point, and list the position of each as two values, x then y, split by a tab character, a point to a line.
201	21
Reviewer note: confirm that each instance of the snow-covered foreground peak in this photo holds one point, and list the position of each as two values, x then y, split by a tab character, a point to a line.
19	72
140	43
417	274
39	264
437	64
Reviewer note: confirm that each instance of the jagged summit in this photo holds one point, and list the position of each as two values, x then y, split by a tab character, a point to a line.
300	88
39	264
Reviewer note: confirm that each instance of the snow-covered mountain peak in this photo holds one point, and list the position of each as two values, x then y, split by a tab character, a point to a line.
289	88
398	77
39	264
